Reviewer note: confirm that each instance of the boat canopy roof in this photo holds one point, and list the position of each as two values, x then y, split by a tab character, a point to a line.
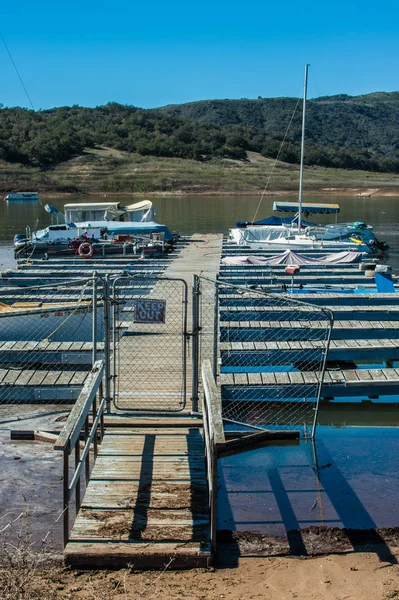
141	211
92	206
293	258
321	209
143	205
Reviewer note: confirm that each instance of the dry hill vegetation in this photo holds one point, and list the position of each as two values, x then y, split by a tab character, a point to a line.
209	146
107	170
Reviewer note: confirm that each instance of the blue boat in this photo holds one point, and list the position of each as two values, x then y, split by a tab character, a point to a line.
12	196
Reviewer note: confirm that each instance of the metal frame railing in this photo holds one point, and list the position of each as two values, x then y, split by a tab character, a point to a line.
214	439
69	442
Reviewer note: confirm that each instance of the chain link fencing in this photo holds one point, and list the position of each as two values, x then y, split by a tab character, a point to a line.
50	335
269	354
149	344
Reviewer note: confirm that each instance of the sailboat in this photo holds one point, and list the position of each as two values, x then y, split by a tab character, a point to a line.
296	234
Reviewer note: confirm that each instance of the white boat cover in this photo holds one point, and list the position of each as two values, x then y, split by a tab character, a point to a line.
288	258
142	212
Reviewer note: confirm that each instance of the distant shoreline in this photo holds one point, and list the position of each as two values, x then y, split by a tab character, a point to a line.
111	173
338	192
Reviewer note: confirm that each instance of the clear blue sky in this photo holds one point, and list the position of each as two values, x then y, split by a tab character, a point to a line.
154	53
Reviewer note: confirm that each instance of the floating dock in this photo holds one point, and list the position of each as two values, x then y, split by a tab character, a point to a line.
257	337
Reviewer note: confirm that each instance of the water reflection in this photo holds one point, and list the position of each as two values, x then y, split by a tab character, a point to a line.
347	479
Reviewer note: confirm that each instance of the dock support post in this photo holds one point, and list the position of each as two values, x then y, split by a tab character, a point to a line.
107	343
77	489
94	332
195	342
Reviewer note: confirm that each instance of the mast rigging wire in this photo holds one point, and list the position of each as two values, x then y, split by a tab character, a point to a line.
275	161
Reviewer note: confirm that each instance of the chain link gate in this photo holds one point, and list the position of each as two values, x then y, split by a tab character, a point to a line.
269	353
149	343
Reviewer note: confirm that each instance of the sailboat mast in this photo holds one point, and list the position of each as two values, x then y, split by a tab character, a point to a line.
305	89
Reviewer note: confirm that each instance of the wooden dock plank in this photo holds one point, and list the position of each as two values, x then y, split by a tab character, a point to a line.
129	524
336	383
148	488
125	494
123	554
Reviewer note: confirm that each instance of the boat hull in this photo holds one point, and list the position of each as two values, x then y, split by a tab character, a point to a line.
325	246
21	198
280	238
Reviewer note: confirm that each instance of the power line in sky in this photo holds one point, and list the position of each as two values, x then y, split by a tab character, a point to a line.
16	70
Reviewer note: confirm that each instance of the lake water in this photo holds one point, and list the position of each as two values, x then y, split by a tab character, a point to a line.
191	214
347	479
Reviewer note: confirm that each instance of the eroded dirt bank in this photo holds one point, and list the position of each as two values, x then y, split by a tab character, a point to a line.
353	576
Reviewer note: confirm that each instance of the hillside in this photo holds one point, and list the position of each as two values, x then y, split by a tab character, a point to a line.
106	170
359	133
366	125
370	121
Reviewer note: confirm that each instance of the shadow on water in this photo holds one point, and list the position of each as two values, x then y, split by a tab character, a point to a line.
336	495
294	536
354	506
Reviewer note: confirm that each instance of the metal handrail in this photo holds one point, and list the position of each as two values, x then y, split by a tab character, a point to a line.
214	437
69	438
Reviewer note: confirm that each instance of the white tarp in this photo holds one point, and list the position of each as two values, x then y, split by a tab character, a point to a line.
288	258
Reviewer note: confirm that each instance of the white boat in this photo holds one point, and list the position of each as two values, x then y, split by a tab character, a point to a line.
283	232
294	234
97	226
11	196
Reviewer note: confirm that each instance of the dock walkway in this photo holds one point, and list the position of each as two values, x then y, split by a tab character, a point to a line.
146	503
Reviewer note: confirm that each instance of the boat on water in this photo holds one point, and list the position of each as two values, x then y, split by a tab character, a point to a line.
282	232
98	228
17	196
296	234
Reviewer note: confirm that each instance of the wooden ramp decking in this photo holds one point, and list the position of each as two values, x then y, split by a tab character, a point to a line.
146	502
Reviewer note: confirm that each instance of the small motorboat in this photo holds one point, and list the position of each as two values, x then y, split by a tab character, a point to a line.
12	196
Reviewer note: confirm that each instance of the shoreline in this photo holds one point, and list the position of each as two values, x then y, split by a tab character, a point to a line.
338	192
